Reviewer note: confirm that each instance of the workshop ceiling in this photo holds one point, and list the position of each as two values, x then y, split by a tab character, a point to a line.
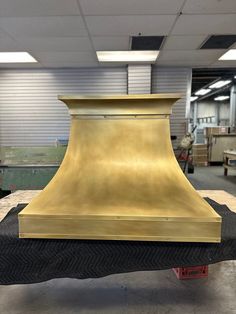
203	77
66	33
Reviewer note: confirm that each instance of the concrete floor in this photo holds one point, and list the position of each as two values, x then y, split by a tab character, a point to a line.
156	292
212	178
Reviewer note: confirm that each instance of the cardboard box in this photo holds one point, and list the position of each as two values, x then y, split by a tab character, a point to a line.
199	158
199	149
202	151
216	130
201	164
199	146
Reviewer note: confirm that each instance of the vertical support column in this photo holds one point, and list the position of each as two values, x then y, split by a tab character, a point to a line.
232	110
188	102
195	119
139	79
217	111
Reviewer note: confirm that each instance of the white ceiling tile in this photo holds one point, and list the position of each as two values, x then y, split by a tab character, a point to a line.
20	65
3	33
13	8
187	42
68	64
209	6
56	43
130	25
9	44
53	26
186	63
190	55
224	64
111	43
205	24
73	57
130	7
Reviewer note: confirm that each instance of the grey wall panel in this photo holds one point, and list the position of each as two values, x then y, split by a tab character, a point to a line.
175	80
224	111
31	115
139	79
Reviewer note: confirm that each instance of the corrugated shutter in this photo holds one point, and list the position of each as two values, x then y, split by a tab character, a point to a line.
175	80
31	115
139	79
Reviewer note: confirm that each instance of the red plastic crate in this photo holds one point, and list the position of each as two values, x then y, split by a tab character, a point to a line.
195	272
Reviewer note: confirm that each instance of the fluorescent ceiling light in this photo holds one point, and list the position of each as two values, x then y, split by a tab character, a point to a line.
128	56
219	98
192	98
220	84
202	91
229	55
16	57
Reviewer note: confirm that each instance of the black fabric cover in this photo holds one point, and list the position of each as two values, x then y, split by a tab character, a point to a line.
24	261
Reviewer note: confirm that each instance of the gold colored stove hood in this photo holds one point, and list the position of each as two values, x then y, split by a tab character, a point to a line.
119	179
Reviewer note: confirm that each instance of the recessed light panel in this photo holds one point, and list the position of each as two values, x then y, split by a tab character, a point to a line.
193	98
16	57
202	91
220	84
229	55
220	98
129	56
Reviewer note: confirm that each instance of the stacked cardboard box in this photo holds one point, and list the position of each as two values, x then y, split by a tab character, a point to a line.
208	131
199	153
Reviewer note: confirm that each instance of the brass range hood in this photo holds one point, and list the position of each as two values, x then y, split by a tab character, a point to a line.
119	179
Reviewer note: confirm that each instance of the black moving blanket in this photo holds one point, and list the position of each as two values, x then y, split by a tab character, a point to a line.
34	260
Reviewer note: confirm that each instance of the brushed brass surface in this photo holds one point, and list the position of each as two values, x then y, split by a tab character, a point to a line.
119	178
